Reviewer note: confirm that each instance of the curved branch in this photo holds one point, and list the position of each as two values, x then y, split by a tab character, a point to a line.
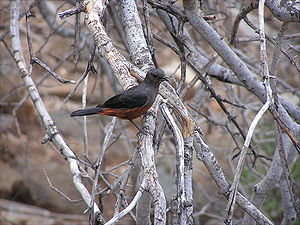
51	130
181	198
132	204
207	157
250	81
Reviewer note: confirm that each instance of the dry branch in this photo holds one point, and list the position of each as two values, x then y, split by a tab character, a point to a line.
175	33
47	121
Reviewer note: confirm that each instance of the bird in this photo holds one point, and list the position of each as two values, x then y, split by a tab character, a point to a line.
131	103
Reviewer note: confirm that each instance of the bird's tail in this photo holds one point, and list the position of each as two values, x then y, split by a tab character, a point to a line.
86	112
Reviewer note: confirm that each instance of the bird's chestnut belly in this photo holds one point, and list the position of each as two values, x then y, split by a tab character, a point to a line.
126	114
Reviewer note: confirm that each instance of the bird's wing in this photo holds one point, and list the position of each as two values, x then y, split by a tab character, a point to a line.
131	98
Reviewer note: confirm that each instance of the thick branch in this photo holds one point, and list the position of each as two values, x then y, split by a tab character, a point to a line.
47	121
207	157
249	80
285	11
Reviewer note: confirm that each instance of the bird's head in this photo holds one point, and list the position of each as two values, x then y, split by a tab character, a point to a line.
156	76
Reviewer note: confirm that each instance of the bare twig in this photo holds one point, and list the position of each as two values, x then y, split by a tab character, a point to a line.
239	17
70	12
265	71
129	207
58	191
42	111
89	68
97	164
51	72
149	35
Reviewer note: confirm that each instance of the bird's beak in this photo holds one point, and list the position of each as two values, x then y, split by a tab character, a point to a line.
165	78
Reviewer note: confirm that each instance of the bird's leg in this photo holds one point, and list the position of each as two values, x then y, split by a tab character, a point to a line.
136	126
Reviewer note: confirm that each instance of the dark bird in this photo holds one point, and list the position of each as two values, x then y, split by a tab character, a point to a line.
130	103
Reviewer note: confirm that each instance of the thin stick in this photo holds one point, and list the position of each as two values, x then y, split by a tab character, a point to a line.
85	134
264	108
89	68
128	208
98	162
58	191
